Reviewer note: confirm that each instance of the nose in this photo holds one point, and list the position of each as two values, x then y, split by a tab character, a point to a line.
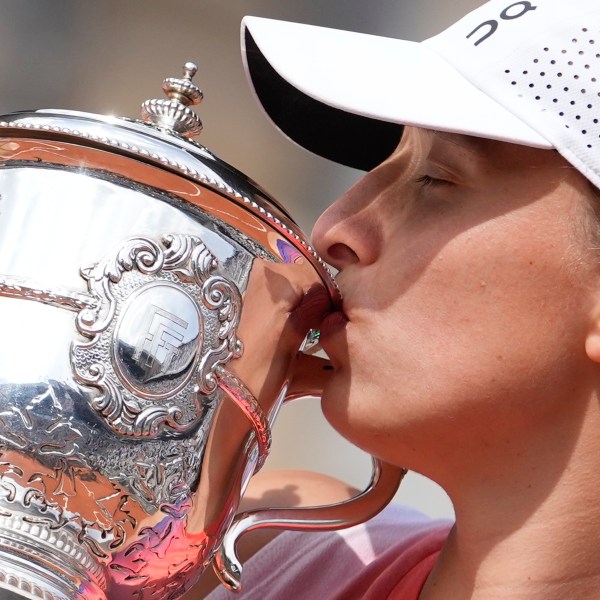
349	232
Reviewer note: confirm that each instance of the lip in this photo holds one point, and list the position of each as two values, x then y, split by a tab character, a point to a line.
311	309
332	323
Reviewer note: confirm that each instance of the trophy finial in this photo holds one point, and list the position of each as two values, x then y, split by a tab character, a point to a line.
174	114
189	70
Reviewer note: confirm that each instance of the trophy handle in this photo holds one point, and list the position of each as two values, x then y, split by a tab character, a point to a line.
384	483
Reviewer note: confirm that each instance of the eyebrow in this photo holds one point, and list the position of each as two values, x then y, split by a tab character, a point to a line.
467	142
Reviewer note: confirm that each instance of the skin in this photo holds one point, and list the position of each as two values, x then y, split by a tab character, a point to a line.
468	350
470	353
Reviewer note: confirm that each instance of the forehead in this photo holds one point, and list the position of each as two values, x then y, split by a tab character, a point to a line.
456	147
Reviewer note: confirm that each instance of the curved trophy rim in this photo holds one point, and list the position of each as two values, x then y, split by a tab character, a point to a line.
164	148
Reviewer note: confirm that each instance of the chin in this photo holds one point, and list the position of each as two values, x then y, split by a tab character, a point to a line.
334	404
400	440
351	425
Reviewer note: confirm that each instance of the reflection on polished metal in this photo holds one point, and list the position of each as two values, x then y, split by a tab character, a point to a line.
13	287
153	302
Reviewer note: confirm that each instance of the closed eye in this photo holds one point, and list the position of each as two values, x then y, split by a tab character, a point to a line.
428	180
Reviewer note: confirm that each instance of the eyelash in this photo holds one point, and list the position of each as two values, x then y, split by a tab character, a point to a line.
427	180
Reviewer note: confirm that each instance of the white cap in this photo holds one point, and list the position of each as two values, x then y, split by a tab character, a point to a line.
523	72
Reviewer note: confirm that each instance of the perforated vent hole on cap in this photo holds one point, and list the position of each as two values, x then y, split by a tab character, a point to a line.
564	81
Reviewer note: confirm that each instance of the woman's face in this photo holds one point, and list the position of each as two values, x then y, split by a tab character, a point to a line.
470	285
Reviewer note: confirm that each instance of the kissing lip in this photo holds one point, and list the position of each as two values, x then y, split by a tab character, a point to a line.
331	323
311	309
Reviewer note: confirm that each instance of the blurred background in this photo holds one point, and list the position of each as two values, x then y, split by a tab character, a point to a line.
107	57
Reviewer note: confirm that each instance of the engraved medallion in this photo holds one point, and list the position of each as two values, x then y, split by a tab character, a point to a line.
157	340
164	320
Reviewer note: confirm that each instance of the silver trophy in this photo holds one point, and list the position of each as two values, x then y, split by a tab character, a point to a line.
153	302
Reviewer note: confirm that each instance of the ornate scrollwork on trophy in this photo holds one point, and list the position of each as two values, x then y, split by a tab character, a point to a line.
164	321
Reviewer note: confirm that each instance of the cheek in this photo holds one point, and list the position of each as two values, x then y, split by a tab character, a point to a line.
510	286
467	335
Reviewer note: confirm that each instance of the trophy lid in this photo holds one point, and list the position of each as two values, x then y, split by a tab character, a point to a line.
163	137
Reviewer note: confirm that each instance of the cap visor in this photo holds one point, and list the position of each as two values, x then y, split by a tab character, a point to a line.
377	79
